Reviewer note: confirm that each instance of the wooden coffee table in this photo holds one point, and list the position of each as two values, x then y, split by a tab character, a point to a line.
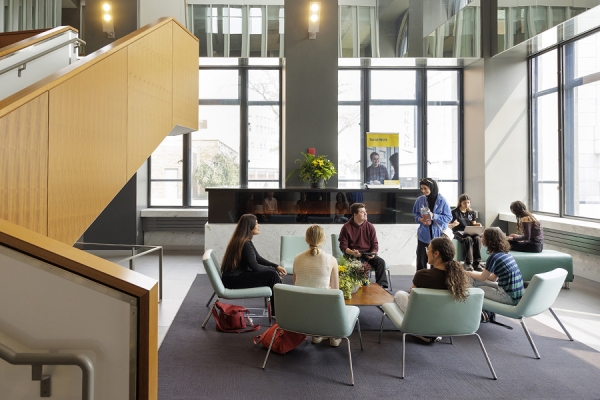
371	295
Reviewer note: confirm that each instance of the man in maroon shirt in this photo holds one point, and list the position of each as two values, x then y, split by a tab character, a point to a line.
359	239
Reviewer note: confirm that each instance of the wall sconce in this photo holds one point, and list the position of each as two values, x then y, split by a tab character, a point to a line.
314	19
107	20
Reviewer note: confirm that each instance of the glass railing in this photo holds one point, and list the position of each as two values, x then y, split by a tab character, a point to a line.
522	20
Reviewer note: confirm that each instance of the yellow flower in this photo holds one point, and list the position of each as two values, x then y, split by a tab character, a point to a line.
341	269
314	162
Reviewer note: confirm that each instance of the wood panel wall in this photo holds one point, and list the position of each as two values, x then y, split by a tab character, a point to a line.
24	165
104	116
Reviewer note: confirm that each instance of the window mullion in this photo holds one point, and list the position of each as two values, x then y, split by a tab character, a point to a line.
244	127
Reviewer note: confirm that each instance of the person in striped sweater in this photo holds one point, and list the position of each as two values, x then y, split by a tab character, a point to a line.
501	279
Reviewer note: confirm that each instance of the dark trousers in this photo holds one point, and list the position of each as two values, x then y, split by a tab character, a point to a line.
421	255
264	276
528	247
378	265
471	247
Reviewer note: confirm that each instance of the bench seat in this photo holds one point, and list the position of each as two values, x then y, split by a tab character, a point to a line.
530	263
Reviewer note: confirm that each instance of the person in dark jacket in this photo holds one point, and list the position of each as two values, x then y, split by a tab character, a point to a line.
359	239
242	266
531	235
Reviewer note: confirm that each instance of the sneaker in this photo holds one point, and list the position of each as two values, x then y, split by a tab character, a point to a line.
468	267
317	339
479	267
438	339
335	342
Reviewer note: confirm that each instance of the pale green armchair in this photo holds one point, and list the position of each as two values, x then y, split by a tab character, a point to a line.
433	312
290	247
538	297
315	312
231	294
337	253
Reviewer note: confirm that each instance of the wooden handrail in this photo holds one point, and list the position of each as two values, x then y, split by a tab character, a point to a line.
18	99
47	34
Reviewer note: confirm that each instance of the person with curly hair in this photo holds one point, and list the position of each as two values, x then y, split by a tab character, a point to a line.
446	274
530	236
501	279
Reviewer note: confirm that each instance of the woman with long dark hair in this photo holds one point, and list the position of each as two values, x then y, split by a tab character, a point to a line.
242	266
432	213
446	274
530	236
501	279
463	216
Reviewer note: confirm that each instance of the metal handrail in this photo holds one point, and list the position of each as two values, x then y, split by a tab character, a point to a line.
134	256
37	360
35	57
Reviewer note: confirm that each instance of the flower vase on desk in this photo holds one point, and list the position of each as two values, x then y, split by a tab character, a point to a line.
320	184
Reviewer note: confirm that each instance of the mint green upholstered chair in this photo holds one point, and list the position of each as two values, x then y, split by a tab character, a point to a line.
337	253
315	312
538	297
432	312
217	265
231	294
290	247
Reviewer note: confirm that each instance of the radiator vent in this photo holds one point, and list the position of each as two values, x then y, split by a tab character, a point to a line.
173	224
573	241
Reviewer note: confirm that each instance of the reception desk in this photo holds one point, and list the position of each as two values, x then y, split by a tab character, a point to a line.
390	210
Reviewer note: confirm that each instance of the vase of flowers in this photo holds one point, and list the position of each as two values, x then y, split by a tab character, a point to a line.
353	274
315	170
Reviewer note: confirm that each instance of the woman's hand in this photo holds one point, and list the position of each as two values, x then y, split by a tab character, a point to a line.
454	224
425	221
281	271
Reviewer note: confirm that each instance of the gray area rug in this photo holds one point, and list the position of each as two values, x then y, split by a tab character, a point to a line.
206	364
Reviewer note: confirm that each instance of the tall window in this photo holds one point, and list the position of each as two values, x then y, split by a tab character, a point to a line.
565	97
237	142
393	101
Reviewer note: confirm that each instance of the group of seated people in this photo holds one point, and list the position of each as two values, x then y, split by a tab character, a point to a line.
500	277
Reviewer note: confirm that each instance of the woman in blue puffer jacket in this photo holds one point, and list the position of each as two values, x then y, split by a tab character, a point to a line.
433	214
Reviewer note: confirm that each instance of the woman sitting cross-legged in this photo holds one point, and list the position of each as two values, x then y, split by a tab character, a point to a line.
242	266
446	274
531	235
501	279
317	269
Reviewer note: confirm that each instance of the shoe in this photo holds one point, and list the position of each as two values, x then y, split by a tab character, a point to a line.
335	342
317	339
468	267
385	286
423	338
437	339
478	267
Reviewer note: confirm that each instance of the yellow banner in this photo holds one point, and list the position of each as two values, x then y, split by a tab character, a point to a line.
382	140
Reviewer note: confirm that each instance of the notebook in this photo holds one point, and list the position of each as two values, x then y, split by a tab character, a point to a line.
474	230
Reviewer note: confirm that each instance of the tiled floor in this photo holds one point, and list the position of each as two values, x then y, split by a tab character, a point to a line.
577	307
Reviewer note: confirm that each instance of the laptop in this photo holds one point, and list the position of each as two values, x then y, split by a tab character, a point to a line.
474	230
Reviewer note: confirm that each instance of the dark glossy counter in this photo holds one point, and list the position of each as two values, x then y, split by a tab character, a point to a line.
303	205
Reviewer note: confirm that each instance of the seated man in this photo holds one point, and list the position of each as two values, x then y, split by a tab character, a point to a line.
357	237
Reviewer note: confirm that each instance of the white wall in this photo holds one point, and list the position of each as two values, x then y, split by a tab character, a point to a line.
151	10
10	82
42	310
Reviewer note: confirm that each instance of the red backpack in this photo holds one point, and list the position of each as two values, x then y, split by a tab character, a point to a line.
284	341
232	319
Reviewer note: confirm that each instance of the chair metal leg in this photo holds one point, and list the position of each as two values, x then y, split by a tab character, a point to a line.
208	316
537	355
403	353
350	361
390	280
359	334
451	340
270	345
487	358
560	323
211	297
268	305
381	327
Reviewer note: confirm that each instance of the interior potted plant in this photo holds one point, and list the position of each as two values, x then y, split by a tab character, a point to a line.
353	274
314	169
